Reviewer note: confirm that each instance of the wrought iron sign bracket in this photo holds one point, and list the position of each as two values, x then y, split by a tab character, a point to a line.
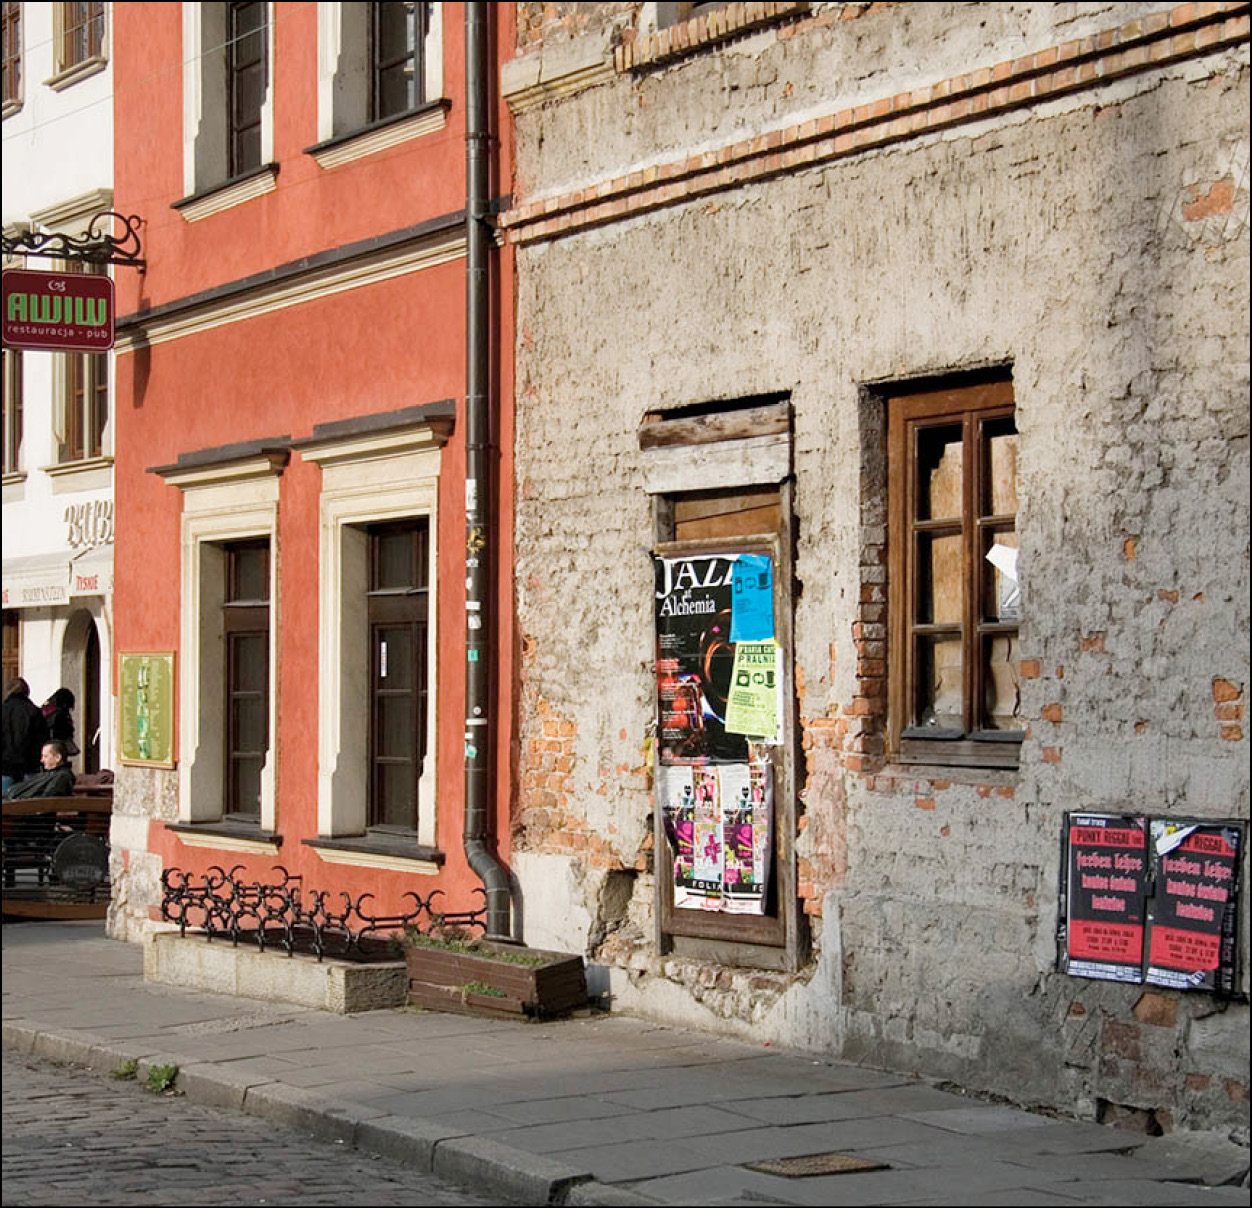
96	245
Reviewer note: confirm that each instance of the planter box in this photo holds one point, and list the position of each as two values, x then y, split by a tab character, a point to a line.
438	979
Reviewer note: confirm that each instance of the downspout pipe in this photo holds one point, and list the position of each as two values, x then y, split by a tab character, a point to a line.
479	535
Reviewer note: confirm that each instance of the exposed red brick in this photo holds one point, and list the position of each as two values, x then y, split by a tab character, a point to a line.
1051	712
1218	200
1051	754
1158	1010
1129	547
1198	1082
1028	669
1224	690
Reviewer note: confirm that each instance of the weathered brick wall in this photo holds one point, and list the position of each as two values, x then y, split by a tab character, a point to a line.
1096	239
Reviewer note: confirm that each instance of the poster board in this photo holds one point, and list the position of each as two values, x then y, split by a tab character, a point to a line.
719	717
146	700
1149	900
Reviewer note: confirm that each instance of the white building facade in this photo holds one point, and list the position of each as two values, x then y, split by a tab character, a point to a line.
58	406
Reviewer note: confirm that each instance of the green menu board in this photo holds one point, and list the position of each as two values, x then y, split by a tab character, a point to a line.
146	700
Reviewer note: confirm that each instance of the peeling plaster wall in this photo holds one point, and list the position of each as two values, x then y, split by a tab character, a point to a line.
1099	245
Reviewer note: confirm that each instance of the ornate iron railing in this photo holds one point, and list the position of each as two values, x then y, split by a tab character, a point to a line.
220	904
96	245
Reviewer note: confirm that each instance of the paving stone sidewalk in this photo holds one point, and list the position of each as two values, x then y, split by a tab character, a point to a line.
603	1109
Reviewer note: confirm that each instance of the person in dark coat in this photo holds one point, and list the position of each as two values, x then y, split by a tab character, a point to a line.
59	715
56	779
25	732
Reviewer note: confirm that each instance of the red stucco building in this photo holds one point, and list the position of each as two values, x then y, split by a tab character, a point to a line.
292	435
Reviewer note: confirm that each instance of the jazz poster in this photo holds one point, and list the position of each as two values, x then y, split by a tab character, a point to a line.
715	656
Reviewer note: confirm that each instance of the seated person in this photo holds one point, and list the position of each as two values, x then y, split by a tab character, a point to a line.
56	779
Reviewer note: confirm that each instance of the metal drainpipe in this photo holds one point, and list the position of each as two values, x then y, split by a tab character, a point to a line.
478	534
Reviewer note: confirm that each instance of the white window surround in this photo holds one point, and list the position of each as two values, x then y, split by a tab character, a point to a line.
205	118
366	479
63	76
221	502
343	71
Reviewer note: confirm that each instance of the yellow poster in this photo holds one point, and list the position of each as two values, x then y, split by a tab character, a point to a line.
752	704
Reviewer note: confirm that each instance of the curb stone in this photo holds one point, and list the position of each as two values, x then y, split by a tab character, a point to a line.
474	1162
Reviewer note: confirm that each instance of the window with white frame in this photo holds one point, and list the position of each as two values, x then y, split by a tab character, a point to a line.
377	629
227	94
79	39
12	25
82	404
229	622
378	65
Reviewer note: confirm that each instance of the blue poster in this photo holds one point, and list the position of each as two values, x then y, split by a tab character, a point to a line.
752	603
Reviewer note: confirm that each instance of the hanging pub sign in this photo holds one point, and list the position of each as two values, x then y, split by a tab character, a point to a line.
1150	900
58	312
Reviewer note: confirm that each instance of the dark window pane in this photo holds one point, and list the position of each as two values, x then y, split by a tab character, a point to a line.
249	723
245	786
250	662
394	662
249	572
396	795
397	735
395	560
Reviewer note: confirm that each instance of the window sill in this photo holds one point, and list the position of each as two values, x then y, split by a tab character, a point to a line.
230	836
400	853
356	144
11	107
228	193
64	468
950	773
79	71
14	477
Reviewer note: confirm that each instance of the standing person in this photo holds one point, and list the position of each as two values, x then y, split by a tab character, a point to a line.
58	713
25	732
56	779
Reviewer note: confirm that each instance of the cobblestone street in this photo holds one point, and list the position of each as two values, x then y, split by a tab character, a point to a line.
75	1137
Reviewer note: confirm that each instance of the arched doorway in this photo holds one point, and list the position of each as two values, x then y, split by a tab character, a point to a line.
80	672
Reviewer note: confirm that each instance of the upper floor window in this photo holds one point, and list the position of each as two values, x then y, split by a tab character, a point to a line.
378	64
83	405
397	45
245	72
954	596
228	134
81	36
12	411
12	22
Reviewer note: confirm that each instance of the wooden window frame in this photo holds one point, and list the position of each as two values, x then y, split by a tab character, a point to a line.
13	418
381	62
242	618
971	406
241	126
12	652
392	606
12	24
81	34
86	395
773	939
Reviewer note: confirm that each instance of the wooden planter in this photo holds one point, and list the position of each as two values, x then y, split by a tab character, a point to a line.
438	979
